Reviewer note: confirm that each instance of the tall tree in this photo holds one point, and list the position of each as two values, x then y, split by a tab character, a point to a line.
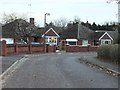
77	19
7	18
62	22
94	26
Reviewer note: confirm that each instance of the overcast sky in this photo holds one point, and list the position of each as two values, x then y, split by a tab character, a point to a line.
92	10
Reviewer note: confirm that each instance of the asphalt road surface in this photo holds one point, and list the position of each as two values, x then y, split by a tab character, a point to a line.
59	70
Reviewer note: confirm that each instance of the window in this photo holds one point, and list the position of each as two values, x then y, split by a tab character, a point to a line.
105	41
46	40
51	40
72	43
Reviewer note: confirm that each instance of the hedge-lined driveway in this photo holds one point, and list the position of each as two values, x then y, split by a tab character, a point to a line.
59	70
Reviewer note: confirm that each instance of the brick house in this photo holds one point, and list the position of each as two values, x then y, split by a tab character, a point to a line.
78	34
105	37
20	31
51	37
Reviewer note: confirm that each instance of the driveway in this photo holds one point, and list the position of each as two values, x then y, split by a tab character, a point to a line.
59	70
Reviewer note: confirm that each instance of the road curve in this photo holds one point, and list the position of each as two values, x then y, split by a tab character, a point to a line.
59	70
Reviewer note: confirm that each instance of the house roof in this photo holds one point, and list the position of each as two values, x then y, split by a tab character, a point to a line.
50	32
98	34
79	33
106	35
41	30
18	27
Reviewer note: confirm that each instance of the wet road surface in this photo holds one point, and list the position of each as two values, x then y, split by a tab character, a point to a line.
59	70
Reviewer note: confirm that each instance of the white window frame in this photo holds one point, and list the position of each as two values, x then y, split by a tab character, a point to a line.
71	40
103	40
48	39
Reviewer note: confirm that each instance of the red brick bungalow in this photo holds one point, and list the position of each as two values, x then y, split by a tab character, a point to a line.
105	37
20	31
75	34
78	34
49	36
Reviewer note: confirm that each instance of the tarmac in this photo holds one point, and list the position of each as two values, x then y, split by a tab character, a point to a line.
9	62
106	66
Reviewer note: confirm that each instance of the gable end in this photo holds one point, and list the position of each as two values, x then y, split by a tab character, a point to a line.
50	32
106	36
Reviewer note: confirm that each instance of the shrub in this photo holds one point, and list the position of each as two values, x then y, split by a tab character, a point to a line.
108	52
113	52
103	51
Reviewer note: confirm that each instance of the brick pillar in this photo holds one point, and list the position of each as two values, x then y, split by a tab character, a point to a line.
4	46
30	48
44	48
55	46
89	48
16	48
67	48
0	48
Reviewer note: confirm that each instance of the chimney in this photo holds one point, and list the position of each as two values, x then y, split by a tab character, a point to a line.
32	21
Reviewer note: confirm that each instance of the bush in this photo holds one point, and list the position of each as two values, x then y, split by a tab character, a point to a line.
108	52
114	52
103	51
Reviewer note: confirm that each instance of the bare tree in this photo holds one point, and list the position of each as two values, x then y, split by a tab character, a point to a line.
24	30
62	22
77	19
109	1
118	2
7	18
18	27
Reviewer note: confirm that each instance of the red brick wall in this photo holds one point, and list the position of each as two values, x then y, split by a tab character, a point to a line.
105	37
24	48
79	42
37	48
80	48
93	48
51	48
10	49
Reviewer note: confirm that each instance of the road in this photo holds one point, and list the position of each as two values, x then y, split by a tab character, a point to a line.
7	61
59	70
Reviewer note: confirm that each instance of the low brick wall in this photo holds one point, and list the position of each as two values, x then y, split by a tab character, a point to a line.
51	48
24	48
78	48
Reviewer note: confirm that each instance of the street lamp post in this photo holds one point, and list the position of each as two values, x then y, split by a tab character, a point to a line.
46	14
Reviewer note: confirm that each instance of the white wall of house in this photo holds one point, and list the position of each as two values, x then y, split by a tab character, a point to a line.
84	42
8	40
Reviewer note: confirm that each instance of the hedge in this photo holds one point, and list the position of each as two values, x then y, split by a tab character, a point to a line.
108	52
